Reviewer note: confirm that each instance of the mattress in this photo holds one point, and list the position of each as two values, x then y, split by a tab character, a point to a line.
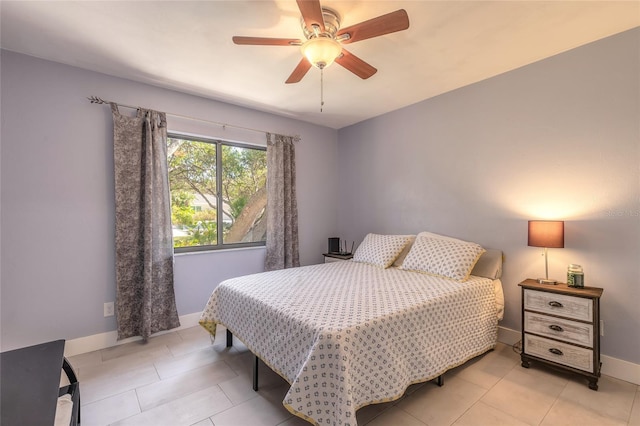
347	334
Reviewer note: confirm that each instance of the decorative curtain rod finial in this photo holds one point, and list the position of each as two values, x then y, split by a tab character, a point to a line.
97	100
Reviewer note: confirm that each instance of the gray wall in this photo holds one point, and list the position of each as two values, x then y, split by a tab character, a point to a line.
558	139
57	224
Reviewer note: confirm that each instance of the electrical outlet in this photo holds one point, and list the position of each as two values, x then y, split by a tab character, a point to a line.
601	327
108	309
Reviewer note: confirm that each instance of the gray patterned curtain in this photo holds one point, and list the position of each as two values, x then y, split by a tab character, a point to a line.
145	300
282	207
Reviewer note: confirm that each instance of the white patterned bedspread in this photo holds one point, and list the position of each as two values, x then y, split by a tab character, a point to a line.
347	334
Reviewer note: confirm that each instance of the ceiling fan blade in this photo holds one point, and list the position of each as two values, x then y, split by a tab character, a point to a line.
384	24
311	13
356	65
299	72
265	41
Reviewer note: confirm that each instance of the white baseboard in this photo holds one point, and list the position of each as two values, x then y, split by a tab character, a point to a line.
613	367
508	336
106	340
620	369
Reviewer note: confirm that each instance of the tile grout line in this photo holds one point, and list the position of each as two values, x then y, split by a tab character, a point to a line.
478	400
555	401
409	414
135	390
636	399
485	393
233	405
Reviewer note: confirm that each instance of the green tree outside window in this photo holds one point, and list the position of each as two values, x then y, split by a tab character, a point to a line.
200	189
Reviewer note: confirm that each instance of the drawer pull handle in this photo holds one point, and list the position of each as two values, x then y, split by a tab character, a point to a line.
556	327
555	351
555	304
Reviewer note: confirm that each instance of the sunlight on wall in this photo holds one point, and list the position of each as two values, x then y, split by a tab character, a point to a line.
561	195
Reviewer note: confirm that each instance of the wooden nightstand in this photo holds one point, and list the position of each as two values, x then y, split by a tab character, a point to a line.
561	328
335	257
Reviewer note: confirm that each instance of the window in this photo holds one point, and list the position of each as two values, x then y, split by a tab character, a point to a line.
218	193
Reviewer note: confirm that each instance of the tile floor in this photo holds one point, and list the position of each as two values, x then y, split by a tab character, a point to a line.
180	378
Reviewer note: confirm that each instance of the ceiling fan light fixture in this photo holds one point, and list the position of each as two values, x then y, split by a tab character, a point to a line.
321	51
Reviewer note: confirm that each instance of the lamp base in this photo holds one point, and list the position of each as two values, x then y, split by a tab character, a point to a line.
546	281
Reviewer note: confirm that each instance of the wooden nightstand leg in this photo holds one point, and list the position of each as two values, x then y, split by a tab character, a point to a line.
525	362
593	384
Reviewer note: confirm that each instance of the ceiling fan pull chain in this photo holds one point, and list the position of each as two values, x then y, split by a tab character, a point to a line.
321	88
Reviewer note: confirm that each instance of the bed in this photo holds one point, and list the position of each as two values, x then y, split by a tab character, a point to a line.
353	333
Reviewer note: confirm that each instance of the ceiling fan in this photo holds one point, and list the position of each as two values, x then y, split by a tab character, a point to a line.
324	39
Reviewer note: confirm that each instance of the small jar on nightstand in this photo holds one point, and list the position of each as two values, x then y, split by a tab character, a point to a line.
336	257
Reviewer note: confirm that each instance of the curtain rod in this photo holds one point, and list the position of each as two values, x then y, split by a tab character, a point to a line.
97	100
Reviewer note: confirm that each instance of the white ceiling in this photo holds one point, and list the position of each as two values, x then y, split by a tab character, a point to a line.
186	45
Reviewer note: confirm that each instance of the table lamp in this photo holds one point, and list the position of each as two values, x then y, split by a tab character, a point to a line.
547	234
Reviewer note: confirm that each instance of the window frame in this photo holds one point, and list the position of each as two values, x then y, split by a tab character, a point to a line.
218	143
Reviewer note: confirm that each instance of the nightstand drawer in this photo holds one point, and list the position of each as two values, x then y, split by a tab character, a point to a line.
559	328
559	304
558	352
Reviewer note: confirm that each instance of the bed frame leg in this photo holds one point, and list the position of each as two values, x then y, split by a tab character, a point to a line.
440	380
255	373
229	339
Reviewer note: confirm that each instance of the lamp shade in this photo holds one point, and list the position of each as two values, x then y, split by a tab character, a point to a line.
546	233
321	51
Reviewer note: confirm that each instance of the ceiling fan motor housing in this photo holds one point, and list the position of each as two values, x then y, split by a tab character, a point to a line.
331	25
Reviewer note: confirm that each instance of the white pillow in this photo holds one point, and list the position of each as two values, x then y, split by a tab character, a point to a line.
405	251
442	237
445	257
380	250
489	264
